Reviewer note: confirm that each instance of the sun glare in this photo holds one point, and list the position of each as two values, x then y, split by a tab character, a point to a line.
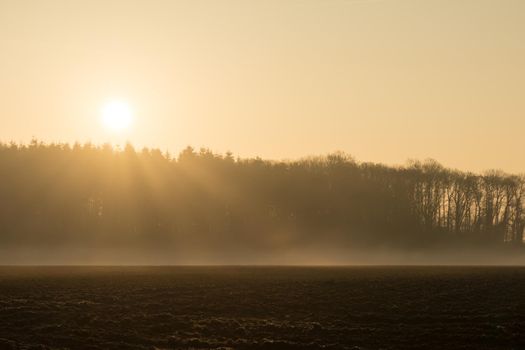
117	116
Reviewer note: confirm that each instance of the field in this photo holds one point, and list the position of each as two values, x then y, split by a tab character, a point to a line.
262	308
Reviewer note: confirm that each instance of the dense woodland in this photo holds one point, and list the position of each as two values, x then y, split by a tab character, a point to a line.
55	194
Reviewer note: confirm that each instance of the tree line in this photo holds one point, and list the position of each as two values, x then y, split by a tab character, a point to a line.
57	194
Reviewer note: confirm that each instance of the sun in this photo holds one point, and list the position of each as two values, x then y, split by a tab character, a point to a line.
117	116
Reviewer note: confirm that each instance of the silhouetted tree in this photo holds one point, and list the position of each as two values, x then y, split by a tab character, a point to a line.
86	194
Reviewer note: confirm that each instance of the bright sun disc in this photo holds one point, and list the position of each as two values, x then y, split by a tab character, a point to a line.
116	116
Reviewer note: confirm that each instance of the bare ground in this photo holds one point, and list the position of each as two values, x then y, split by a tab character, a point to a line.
262	308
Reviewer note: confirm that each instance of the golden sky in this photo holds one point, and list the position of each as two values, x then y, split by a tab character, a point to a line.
384	80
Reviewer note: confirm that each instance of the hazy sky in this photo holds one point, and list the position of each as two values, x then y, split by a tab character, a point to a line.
383	80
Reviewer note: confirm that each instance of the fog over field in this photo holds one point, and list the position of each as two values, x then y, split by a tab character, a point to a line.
87	204
288	256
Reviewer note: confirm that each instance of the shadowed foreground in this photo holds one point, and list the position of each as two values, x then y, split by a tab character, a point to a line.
262	307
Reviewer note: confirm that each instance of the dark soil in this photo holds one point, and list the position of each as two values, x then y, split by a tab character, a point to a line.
262	308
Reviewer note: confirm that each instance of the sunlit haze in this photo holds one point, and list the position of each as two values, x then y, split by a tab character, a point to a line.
385	81
262	174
